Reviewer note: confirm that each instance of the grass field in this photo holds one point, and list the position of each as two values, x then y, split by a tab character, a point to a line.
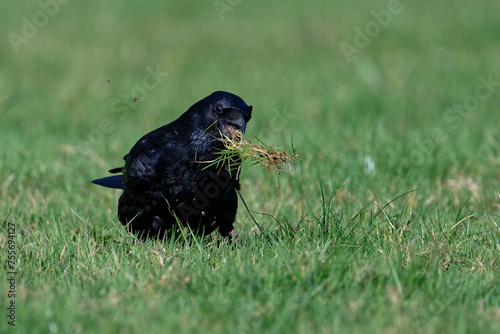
388	224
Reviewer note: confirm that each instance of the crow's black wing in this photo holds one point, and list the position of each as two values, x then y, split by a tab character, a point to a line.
117	169
143	169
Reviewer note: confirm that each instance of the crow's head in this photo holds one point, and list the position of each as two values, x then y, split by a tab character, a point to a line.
230	112
224	112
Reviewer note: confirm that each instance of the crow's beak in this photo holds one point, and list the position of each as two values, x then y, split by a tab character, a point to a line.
236	125
241	125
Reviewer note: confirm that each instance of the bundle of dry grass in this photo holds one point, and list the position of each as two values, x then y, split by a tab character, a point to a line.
239	151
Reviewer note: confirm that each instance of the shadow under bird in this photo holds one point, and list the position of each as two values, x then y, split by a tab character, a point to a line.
166	180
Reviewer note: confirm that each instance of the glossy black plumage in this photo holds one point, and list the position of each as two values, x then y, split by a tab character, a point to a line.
165	175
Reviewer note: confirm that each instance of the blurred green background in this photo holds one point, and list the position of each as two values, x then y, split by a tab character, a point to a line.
83	64
371	126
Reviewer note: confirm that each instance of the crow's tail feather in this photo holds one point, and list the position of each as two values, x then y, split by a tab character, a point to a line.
110	182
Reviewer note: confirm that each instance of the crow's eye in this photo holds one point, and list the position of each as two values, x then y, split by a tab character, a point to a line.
219	110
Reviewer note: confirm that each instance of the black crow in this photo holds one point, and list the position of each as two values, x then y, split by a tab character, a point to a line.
166	180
